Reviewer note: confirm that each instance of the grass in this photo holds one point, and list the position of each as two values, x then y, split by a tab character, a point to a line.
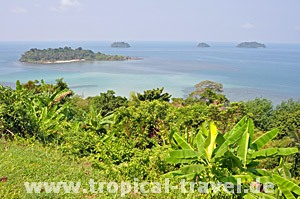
27	161
22	161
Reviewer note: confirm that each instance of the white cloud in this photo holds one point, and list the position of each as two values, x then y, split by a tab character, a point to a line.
66	5
19	10
69	3
248	26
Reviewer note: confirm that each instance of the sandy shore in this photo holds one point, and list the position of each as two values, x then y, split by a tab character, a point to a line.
63	61
78	60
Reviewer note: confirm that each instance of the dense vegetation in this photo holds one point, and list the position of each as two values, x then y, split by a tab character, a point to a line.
204	138
50	55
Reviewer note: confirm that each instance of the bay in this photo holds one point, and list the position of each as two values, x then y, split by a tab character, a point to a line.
272	72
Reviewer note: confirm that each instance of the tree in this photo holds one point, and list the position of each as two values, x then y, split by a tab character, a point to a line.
286	116
107	102
209	92
60	85
260	110
154	94
39	87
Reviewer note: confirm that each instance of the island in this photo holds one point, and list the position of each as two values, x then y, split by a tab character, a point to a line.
203	45
120	45
66	55
252	44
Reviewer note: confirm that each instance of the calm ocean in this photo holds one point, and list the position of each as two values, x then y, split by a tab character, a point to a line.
273	72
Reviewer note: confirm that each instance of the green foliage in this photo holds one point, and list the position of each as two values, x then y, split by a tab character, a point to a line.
155	94
29	114
286	116
38	87
209	92
50	55
236	153
83	137
17	113
260	111
132	139
143	124
107	102
122	160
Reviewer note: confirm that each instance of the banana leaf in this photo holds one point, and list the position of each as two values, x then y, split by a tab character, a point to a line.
264	139
181	142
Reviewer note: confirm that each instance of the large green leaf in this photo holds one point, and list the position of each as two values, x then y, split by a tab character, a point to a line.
243	144
201	135
182	156
243	148
287	151
272	152
196	169
200	141
251	129
287	186
264	153
184	153
232	138
264	139
210	142
237	127
181	142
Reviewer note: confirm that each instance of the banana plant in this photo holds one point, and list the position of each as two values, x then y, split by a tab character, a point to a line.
96	122
237	151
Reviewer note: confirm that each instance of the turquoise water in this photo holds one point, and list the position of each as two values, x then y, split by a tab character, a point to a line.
273	72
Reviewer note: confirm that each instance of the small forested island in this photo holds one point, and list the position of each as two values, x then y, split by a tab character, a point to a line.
66	55
120	45
203	45
252	44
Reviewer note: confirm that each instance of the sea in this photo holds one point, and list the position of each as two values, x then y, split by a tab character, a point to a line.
272	72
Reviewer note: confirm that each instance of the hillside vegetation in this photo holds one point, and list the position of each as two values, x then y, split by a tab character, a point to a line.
150	137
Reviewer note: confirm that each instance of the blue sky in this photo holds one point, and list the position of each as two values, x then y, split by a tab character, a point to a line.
151	20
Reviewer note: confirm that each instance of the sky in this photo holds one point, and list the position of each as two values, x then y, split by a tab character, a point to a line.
150	20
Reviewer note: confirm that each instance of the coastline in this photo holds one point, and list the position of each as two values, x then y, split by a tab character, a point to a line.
78	60
55	62
64	61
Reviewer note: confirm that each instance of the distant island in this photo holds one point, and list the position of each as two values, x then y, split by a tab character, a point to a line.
120	45
66	55
203	45
253	44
